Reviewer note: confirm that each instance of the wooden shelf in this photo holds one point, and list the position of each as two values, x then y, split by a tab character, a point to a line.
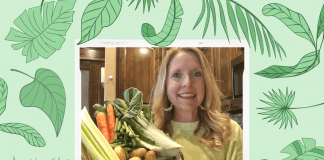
235	111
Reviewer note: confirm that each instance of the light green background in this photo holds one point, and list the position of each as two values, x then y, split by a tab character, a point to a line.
266	140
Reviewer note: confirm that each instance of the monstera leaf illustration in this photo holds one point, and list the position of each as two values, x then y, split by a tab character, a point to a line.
42	37
3	95
308	151
29	133
47	93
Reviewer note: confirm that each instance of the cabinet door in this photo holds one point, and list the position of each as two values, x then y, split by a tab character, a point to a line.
137	67
220	60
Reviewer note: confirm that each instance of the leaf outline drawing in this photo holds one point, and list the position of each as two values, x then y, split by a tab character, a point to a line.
47	93
307	62
145	2
26	131
247	26
306	151
3	95
170	29
42	37
280	109
293	20
94	17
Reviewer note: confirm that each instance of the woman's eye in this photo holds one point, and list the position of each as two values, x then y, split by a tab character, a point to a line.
197	74
176	75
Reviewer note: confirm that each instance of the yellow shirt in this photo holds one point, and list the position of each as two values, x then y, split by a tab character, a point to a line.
194	150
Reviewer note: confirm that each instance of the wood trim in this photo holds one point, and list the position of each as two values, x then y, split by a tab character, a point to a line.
84	66
237	60
93	89
117	71
93	54
92	59
101	91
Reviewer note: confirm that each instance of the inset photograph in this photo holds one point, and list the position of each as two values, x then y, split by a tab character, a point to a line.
164	103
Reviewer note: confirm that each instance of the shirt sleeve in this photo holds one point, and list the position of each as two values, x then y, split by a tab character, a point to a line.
235	146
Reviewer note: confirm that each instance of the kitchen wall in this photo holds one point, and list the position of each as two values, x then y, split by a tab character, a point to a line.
110	70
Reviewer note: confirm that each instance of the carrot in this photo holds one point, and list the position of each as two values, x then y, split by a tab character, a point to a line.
111	121
103	125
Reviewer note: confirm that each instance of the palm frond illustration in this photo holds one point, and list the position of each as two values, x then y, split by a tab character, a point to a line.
296	23
145	2
251	27
280	109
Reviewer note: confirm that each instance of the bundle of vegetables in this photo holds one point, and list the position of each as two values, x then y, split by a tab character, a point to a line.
134	126
95	144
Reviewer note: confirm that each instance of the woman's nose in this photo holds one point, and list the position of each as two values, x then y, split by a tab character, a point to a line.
187	81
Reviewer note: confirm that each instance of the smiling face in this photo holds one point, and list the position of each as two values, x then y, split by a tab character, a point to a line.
185	82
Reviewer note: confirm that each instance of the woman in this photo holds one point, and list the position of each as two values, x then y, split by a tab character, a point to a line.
187	105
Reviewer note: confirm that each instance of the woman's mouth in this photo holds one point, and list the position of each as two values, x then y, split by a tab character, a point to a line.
187	95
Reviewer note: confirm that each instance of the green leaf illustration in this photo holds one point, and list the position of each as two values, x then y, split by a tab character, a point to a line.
242	22
293	20
252	30
47	93
3	95
259	36
97	15
307	63
145	2
29	133
320	25
42	37
232	18
280	108
202	12
222	17
170	29
308	151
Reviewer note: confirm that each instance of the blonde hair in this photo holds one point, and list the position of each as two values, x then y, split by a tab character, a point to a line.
217	125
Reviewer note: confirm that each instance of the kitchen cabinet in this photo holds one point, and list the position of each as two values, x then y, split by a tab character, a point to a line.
91	61
139	70
137	67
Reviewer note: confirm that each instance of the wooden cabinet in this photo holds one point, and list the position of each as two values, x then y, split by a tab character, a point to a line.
137	67
91	60
139	70
220	59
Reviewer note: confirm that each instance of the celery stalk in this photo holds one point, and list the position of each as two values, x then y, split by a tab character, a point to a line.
95	155
93	140
84	153
97	136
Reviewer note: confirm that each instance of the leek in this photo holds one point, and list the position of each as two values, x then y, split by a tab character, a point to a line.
94	141
141	122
